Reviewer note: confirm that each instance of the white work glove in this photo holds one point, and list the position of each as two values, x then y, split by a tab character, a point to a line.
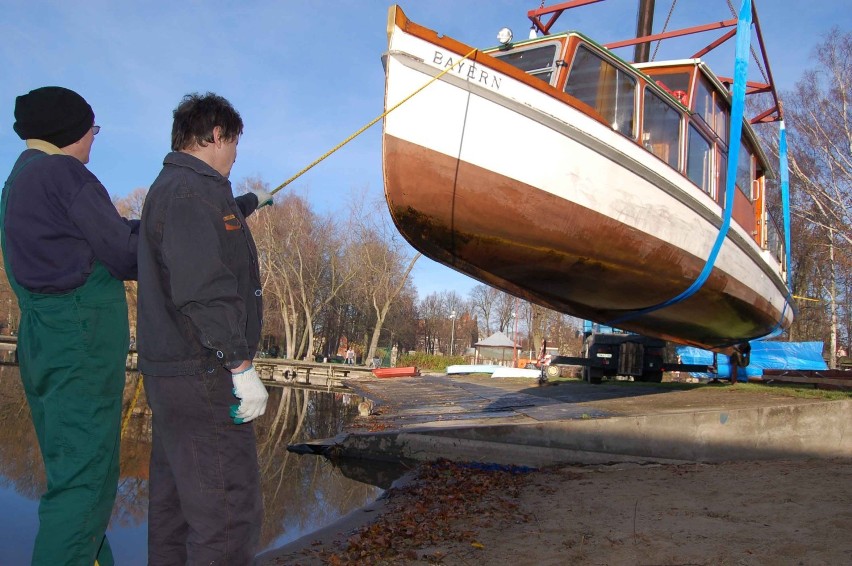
252	395
263	198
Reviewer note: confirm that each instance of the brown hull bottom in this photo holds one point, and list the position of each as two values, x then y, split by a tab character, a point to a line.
560	255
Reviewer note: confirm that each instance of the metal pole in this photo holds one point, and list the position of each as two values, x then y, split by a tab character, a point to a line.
644	26
453	331
515	336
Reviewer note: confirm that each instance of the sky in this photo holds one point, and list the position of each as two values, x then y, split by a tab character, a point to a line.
304	75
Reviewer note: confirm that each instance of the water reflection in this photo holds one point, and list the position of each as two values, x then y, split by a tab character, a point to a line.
301	493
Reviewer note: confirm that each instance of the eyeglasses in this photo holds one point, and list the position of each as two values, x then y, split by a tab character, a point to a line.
95	130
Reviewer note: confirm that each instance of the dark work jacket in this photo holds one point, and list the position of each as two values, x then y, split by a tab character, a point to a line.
199	301
59	220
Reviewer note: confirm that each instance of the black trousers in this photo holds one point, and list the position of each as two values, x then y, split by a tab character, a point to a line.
205	504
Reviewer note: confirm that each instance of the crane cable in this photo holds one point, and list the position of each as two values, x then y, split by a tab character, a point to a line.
365	127
665	25
305	170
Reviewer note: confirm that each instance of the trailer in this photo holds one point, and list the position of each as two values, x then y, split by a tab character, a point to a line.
609	352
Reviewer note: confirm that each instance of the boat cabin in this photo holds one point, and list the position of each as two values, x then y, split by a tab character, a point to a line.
679	111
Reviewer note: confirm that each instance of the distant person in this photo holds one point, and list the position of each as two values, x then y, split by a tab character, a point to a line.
199	312
350	356
66	251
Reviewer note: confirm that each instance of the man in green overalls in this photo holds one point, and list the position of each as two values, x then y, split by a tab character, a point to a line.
66	251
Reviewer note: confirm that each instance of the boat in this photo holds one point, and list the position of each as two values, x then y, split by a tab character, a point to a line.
558	172
517	372
408	371
462	369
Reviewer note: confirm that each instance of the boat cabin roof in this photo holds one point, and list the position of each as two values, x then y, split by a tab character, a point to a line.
672	79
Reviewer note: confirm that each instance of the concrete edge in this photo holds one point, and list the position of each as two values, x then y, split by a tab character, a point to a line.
813	430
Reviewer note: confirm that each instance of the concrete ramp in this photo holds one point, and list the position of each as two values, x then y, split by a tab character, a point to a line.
581	425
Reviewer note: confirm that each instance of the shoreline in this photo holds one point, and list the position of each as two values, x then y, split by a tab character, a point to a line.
743	512
340	529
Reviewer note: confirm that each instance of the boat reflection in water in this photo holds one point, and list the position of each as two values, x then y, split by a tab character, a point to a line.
300	494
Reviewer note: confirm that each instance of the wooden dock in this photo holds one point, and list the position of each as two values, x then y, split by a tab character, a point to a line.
274	370
299	372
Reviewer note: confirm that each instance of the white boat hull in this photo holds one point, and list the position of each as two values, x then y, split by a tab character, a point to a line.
518	189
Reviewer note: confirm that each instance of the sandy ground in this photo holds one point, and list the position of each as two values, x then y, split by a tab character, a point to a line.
740	513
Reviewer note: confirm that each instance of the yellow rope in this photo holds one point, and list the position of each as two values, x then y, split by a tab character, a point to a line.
302	172
360	131
132	405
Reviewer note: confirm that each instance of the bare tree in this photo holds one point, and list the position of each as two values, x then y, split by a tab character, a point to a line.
385	262
432	321
819	111
131	205
10	314
483	299
305	265
385	270
505	307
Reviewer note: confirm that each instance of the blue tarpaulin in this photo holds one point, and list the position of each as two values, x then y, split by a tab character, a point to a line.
764	355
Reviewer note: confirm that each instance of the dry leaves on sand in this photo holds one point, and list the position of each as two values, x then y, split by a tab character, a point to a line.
447	502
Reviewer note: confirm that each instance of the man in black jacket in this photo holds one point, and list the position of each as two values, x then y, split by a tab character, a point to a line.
199	321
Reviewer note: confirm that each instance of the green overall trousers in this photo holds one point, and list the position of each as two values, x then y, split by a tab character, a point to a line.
72	350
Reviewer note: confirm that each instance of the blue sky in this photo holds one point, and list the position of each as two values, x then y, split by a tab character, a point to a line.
303	74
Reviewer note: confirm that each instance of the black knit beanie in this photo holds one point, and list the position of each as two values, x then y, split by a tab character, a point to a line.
54	114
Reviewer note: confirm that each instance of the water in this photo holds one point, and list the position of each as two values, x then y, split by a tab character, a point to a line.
301	493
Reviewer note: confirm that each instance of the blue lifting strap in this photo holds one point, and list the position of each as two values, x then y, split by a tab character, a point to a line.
784	172
737	110
785	199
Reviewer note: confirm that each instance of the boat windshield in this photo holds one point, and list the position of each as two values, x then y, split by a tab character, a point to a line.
661	128
744	171
605	87
712	108
538	61
698	155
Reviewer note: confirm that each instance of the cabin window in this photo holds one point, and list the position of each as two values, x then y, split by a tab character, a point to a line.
775	242
661	128
744	175
672	82
703	105
699	152
723	177
722	118
709	105
539	61
604	87
676	84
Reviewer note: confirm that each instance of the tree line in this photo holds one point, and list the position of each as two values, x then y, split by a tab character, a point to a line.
819	124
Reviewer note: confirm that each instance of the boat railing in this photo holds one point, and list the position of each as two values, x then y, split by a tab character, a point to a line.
775	239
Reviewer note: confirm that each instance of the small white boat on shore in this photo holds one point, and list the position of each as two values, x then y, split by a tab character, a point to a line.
461	369
517	372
